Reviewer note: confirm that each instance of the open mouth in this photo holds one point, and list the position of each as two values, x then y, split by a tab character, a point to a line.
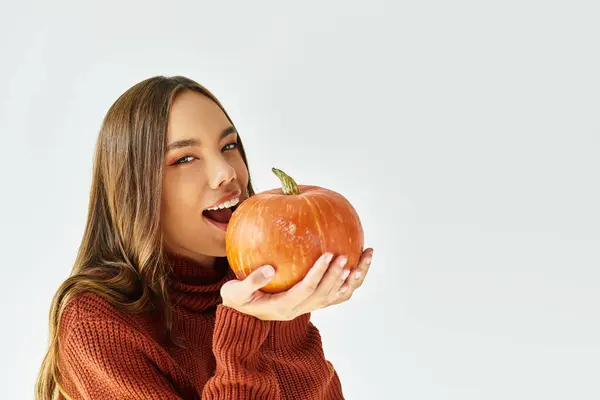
220	216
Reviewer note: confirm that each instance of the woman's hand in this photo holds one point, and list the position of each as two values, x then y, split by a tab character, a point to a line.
351	283
321	287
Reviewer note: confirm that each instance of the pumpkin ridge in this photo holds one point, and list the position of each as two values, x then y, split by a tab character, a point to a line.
310	204
240	259
260	211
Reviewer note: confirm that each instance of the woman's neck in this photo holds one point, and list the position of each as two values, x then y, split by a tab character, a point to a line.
193	268
198	258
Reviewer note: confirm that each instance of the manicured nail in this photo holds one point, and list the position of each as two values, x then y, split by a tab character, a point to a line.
344	274
358	275
343	261
268	271
368	261
328	258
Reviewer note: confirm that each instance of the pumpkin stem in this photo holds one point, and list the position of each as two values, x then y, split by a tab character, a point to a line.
288	185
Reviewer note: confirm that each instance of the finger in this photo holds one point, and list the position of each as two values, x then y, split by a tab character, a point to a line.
355	279
358	274
307	286
344	294
256	280
348	288
334	277
332	281
366	257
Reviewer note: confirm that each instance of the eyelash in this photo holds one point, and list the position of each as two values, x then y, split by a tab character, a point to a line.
178	162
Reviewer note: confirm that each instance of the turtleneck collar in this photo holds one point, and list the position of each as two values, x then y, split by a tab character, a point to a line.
194	286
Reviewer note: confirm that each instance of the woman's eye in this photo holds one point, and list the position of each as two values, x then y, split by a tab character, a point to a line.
231	146
183	158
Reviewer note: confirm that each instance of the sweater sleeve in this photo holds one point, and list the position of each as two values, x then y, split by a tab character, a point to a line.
243	369
109	359
270	359
296	352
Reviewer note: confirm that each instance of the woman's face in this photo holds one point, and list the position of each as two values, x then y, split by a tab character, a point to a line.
202	166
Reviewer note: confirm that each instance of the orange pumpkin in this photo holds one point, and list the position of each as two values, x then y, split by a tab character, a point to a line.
290	228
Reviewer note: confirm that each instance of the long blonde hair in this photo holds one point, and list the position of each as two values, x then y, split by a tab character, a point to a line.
121	256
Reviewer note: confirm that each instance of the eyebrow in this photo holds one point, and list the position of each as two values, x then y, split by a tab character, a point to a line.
195	142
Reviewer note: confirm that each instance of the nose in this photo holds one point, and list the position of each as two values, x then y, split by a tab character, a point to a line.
220	173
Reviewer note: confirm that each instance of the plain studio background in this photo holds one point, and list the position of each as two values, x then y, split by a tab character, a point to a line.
465	133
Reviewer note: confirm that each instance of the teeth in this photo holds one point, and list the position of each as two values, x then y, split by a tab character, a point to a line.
227	204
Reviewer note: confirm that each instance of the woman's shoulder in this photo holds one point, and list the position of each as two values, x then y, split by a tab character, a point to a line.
99	340
88	305
87	309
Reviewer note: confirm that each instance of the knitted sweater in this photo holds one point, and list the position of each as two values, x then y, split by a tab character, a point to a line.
107	354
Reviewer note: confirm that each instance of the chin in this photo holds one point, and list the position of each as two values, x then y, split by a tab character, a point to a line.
221	253
217	249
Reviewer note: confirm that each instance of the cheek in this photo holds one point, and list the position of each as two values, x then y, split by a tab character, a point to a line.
181	202
241	171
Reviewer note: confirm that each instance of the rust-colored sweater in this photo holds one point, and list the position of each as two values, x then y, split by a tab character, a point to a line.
109	354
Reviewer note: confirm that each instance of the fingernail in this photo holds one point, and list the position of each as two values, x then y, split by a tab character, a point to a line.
328	258
358	275
368	261
344	274
343	261
268	271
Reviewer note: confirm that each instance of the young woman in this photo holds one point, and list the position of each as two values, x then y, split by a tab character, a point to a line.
151	309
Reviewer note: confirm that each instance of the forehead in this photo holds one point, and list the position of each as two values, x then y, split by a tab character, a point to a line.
194	115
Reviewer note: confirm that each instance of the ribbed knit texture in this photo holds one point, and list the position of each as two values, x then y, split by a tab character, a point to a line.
109	354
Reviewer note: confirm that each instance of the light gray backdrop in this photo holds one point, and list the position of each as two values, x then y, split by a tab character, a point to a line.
466	134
